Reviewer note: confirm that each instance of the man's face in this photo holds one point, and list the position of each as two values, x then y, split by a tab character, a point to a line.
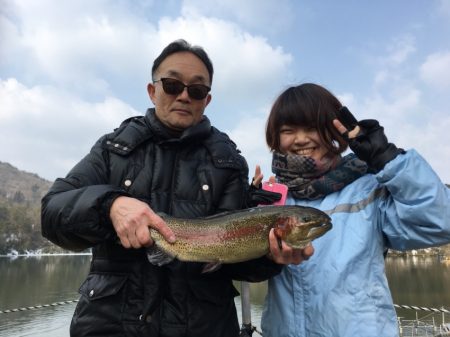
180	111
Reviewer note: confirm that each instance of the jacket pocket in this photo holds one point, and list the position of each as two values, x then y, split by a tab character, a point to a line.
99	310
98	286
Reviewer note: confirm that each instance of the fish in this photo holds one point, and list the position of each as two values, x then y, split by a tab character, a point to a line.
237	236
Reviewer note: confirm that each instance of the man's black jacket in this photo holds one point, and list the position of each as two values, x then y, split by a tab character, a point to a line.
197	174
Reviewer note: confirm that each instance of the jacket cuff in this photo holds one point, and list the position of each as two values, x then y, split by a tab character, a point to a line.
105	207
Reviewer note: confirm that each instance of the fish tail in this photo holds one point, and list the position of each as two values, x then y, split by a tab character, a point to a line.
157	257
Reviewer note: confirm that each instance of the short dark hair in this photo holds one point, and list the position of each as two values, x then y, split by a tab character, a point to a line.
309	105
183	46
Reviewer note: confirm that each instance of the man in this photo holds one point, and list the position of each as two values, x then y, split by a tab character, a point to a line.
170	160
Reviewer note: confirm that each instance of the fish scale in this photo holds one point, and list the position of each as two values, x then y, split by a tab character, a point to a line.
241	235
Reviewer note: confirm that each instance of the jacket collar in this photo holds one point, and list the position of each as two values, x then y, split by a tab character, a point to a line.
136	130
162	134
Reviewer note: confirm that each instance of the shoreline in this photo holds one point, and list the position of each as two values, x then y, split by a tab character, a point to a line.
42	254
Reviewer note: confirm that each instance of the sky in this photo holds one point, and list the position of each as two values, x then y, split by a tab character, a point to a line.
71	71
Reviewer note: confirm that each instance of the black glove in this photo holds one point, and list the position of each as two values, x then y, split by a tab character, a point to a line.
256	196
371	144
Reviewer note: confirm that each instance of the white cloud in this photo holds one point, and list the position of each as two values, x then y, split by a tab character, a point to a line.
390	64
249	135
430	139
247	68
71	71
402	105
67	58
436	71
400	49
267	16
47	130
85	47
412	118
409	123
76	45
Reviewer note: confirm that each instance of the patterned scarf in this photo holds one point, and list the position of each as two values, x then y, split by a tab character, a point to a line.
309	179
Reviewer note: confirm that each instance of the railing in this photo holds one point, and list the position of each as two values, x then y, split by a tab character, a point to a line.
38	306
424	326
419	327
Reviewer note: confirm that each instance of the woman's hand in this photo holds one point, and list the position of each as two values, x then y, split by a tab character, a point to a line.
256	195
350	134
258	177
367	140
281	253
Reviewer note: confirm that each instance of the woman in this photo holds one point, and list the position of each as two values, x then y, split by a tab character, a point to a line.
378	197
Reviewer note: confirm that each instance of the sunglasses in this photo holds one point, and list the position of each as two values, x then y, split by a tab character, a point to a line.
172	86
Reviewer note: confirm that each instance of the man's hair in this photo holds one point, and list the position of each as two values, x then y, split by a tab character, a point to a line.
183	46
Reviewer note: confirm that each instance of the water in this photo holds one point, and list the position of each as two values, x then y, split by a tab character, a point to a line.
28	281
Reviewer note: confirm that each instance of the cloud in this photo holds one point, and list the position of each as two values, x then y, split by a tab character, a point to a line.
400	49
409	122
412	118
435	71
91	48
77	45
249	135
390	64
100	48
247	68
50	129
267	16
72	71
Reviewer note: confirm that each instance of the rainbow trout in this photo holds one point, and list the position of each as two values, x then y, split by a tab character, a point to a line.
237	236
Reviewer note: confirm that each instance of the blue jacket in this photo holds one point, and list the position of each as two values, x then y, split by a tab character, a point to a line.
342	290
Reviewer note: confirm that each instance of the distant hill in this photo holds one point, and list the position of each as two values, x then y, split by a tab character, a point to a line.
20	205
21	186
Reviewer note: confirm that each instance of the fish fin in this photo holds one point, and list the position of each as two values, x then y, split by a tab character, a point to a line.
211	267
157	256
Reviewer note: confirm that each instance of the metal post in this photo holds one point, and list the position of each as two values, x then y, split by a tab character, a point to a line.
246	329
400	327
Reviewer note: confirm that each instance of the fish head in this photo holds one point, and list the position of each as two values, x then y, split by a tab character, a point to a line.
302	226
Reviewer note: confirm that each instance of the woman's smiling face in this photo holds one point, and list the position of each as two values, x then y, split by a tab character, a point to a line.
303	141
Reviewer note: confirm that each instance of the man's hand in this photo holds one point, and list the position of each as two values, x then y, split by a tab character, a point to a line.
132	218
286	255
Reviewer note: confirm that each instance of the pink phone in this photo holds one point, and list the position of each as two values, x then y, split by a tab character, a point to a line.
276	187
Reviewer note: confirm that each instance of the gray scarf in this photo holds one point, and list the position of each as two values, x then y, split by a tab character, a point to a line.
309	179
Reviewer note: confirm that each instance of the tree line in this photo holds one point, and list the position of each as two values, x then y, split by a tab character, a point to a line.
20	227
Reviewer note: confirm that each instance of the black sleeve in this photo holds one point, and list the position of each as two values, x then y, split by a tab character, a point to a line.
75	211
256	270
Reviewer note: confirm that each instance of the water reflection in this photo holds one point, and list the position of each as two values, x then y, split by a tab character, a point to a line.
419	281
29	281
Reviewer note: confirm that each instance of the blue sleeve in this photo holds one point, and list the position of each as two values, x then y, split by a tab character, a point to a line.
416	214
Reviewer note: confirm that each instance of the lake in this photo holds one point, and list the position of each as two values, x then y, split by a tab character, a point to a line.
29	281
